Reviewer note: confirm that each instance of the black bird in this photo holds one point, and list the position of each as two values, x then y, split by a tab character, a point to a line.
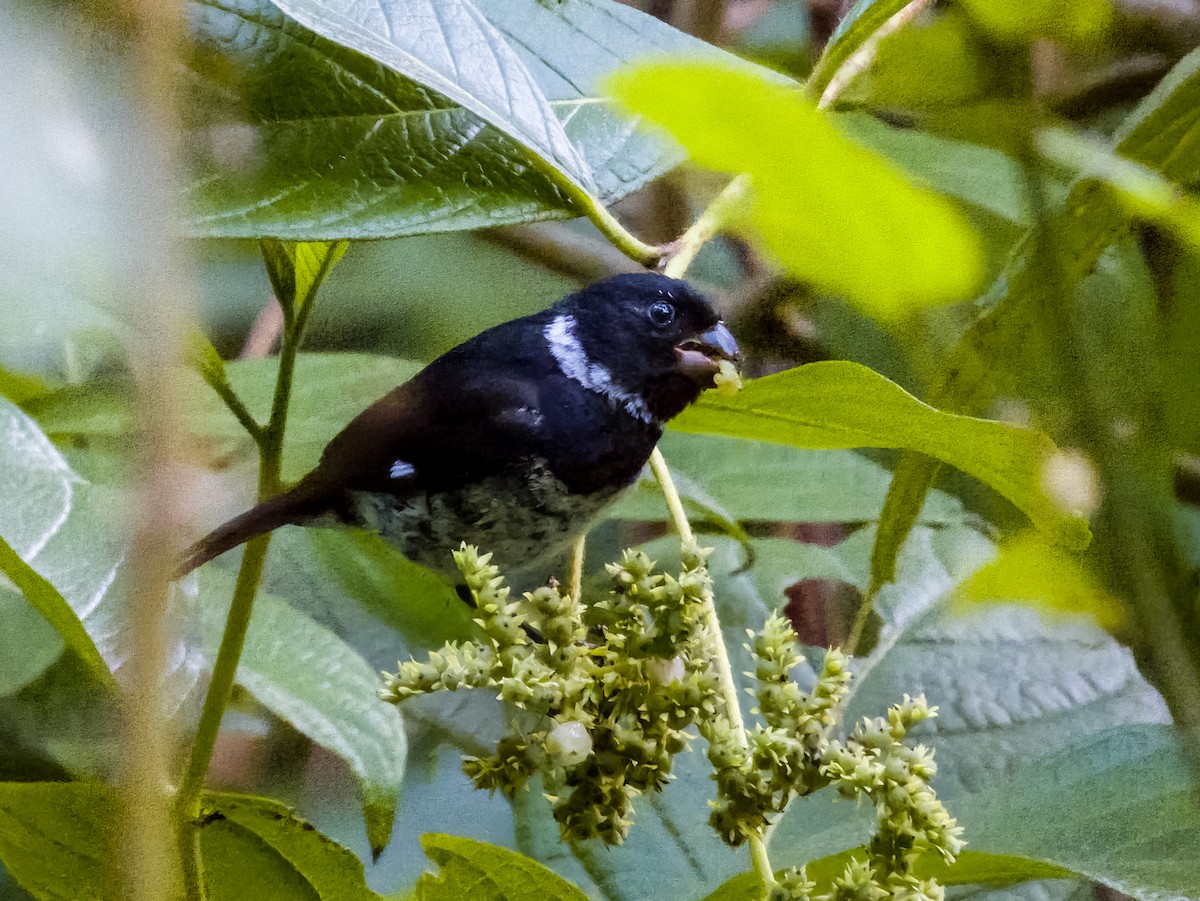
515	440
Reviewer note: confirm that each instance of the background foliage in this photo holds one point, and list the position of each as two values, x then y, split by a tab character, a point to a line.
973	219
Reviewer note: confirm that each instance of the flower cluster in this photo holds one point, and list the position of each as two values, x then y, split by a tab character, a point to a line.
760	770
875	763
604	698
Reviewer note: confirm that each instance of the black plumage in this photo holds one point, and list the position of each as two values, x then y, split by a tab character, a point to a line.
516	439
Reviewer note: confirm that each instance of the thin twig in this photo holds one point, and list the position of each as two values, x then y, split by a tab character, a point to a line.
860	60
723	208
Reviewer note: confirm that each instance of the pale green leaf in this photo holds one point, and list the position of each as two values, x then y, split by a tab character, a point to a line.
898	245
308	676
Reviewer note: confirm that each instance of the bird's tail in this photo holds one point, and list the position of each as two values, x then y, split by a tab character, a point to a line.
289	508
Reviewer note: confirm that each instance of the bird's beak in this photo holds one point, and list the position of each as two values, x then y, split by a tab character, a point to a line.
699	358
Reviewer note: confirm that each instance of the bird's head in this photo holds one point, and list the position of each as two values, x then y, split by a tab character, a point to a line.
648	342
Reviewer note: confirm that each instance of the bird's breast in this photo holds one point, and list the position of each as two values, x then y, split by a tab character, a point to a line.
522	517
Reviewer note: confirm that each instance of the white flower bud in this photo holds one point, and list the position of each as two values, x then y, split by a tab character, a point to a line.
662	671
570	742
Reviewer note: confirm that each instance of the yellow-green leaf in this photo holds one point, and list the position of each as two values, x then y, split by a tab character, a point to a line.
840	404
1073	21
828	209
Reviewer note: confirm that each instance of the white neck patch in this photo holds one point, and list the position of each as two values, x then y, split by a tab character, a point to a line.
575	365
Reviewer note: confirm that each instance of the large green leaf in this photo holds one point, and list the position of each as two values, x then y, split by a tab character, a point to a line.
57	839
899	245
838	404
1012	688
314	680
354	148
488	873
762	481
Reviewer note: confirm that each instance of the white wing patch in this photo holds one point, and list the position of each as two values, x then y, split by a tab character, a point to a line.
575	365
401	470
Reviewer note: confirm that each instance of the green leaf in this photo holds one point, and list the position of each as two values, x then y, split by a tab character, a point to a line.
1012	688
57	839
451	48
898	245
258	848
1139	833
838	404
45	598
28	643
60	841
761	481
308	676
857	26
298	268
355	149
1071	21
486	872
61	531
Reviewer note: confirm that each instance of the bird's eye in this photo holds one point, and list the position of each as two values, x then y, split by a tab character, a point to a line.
662	313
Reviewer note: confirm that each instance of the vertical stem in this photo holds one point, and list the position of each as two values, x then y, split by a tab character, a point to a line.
253	560
578	548
719	655
148	857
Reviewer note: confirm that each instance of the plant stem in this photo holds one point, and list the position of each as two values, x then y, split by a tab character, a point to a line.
234	403
712	220
718	654
860	60
578	548
270	443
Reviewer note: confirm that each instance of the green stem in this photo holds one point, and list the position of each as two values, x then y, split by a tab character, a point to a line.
718	654
270	443
234	403
711	221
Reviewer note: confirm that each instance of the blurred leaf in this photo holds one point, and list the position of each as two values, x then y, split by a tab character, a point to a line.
63	528
1045	577
1182	355
258	848
981	176
1162	134
761	481
486	872
19	387
897	245
45	598
67	214
28	643
308	676
354	149
56	838
857	26
838	404
1071	21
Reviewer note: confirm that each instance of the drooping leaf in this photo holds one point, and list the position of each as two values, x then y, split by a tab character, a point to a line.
838	404
308	676
898	245
488	873
28	643
355	149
